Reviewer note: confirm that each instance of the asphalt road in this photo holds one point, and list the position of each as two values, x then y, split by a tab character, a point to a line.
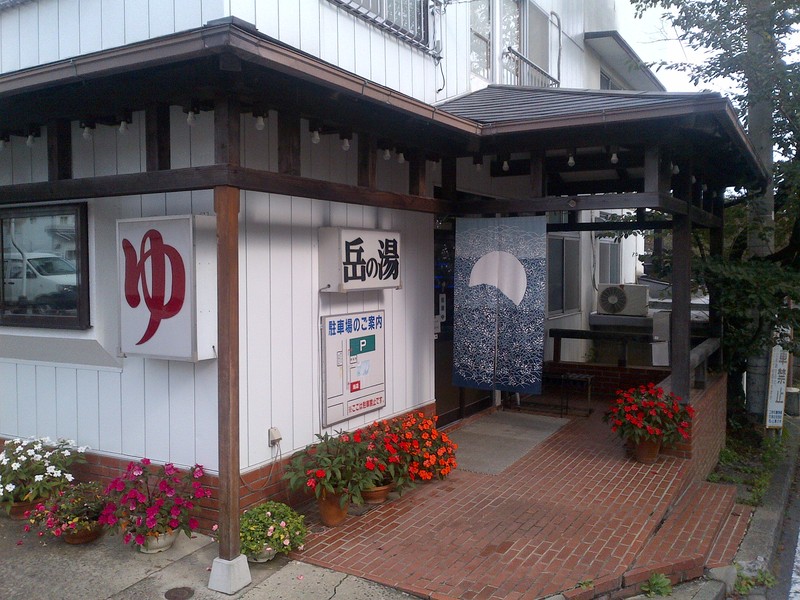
787	559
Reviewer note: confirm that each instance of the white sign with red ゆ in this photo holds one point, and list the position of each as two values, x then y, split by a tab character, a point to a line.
167	287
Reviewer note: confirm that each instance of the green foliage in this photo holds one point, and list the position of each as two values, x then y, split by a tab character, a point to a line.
745	583
753	301
274	525
657	585
586	584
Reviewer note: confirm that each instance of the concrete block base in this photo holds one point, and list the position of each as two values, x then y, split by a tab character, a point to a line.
229	576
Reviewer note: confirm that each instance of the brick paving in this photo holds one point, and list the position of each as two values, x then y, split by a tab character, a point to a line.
575	508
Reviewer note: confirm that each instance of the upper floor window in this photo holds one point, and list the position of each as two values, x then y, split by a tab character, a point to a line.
606	83
406	18
45	267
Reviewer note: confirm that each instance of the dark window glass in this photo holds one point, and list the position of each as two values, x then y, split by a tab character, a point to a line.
48	244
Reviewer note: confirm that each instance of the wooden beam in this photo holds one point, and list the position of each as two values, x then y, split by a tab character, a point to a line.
681	293
417	182
157	136
227	123
226	206
663	202
367	161
450	179
538	177
610	226
59	150
288	143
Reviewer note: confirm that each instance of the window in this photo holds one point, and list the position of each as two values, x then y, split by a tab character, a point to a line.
49	245
406	18
606	83
609	262
563	274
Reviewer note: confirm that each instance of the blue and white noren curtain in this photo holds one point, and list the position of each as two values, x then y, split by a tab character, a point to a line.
500	285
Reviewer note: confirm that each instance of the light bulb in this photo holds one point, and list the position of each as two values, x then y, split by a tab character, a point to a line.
571	161
614	158
260	123
506	166
345	144
694	179
87	133
191	118
29	141
401	158
675	170
704	187
478	167
387	154
123	127
315	137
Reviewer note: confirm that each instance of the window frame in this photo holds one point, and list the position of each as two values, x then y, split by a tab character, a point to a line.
565	285
81	320
420	40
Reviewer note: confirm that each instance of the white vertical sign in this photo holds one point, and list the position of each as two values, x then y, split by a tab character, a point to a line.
776	395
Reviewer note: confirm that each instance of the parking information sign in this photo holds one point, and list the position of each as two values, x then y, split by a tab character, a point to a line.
354	371
776	396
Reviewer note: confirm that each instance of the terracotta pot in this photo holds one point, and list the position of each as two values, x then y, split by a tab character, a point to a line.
18	509
331	511
83	536
159	543
378	494
646	451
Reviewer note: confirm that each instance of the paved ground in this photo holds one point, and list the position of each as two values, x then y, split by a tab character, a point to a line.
574	509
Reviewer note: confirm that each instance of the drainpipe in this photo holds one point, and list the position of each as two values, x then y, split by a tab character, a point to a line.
554	14
496	17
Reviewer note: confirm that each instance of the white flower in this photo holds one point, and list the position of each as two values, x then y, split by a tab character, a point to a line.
66	453
68	476
38	477
15	466
30	452
37	457
3	460
10	487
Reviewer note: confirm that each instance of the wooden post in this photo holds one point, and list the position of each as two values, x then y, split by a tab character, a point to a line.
449	178
59	150
367	161
681	292
288	143
538	175
226	205
157	145
417	183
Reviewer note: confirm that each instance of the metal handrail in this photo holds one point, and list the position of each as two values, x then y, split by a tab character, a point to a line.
530	74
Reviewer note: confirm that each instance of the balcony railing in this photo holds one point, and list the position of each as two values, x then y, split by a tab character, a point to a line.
521	71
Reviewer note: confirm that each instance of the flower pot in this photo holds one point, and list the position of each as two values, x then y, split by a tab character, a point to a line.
153	544
646	451
378	494
18	509
265	555
83	535
331	511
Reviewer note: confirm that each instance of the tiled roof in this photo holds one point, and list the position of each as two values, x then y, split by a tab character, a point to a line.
505	104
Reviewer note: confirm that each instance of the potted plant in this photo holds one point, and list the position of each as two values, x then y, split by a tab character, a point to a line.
151	504
71	514
383	440
270	529
33	469
429	453
336	469
650	419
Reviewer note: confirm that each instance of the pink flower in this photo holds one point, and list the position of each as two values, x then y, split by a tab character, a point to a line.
193	523
170	469
127	538
173	523
198	472
145	461
139	539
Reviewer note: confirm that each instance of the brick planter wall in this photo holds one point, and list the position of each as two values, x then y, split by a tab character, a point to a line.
607	379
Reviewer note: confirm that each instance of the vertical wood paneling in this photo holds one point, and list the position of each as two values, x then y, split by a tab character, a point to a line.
111	419
82	154
203	202
266	17
6	175
362	43
179	203
309	26
68	26
202	139
156	409
213	9
104	139
38	157
162	18
9	40
188	14
289	23
88	409
246	9
182	431
129	150
66	403
133	407
180	138
154	205
113	19
345	40
22	161
255	327
8	399
28	33
280	261
26	400
91	26
303	315
137	23
205	444
377	49
47	36
328	32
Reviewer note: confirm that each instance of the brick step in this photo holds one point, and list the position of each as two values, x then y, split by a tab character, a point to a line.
730	537
684	543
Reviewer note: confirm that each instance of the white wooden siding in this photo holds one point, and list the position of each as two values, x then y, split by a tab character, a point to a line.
167	410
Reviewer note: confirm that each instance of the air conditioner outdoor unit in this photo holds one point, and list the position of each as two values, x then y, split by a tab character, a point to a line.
626	299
